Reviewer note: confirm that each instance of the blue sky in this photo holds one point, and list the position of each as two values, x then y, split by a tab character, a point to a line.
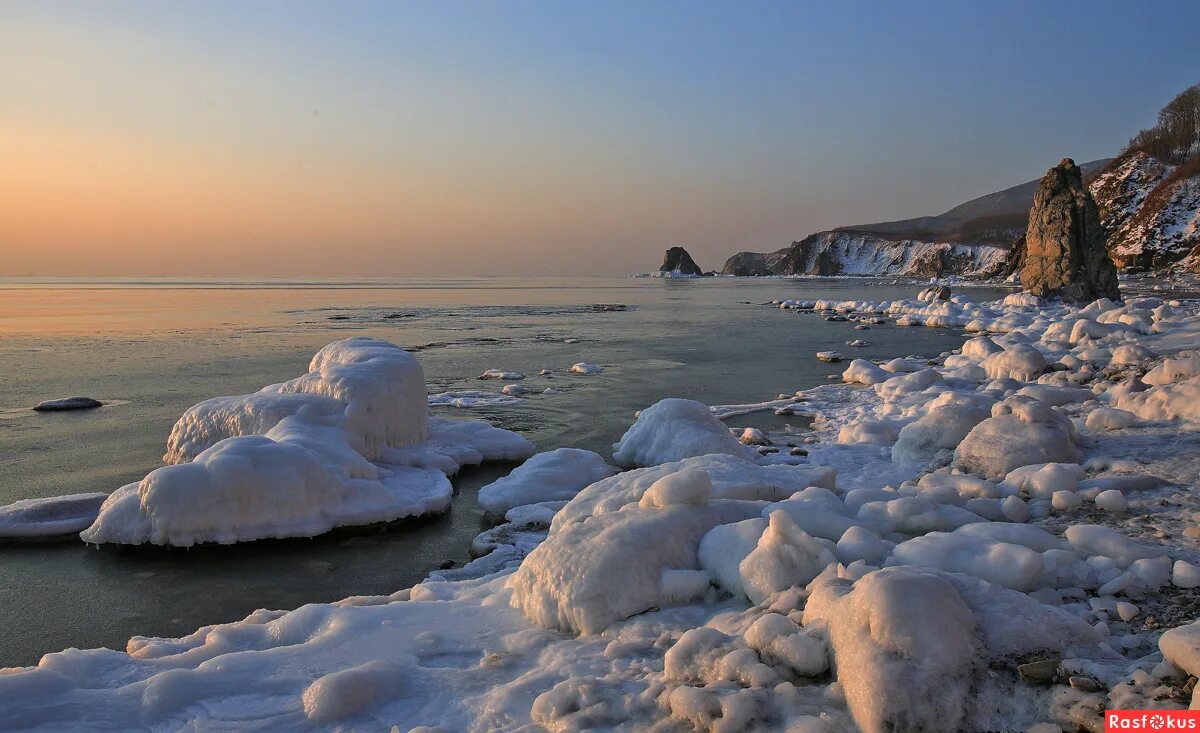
453	138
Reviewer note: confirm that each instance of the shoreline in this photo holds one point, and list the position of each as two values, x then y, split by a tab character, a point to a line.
516	628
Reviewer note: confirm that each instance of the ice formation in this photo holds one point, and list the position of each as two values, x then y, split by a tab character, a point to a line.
350	442
993	539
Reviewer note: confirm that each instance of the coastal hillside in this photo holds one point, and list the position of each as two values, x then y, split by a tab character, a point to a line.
971	239
1149	196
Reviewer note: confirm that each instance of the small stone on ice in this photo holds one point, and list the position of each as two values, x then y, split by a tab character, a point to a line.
1041	672
830	356
1086	684
754	436
513	390
1185	575
67	403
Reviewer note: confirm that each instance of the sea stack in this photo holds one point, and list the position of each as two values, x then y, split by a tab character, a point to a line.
678	260
1066	252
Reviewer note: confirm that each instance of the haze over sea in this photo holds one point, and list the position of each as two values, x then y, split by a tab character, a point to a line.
152	348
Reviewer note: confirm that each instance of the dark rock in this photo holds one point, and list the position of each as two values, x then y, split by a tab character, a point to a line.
1086	684
1065	245
747	264
1042	672
678	260
68	403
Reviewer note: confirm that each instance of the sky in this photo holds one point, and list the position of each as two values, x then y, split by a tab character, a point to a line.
415	139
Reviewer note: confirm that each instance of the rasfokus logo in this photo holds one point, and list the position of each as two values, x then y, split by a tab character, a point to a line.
1151	720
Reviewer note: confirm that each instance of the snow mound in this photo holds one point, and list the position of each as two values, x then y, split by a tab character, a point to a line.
674	429
349	443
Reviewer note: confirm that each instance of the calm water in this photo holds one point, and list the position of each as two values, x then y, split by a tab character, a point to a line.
155	349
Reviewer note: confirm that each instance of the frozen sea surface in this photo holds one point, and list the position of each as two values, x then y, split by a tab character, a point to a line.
150	350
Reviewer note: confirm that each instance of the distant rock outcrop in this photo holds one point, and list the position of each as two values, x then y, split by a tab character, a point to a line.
1066	252
973	239
860	253
678	260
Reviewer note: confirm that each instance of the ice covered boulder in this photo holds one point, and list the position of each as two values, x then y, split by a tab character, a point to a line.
785	557
350	442
1021	362
1092	539
1129	354
909	383
555	475
950	418
980	348
1108	418
922	649
1021	431
1173	370
674	429
1000	563
873	432
592	573
1170	401
1180	646
862	371
251	487
723	548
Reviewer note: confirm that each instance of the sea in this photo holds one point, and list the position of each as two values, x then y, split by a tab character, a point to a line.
149	349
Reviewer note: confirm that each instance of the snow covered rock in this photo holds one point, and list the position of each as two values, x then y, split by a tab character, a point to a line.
1170	401
874	432
785	557
1180	646
1021	362
585	368
350	442
1022	431
950	418
1108	418
674	429
555	475
862	371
